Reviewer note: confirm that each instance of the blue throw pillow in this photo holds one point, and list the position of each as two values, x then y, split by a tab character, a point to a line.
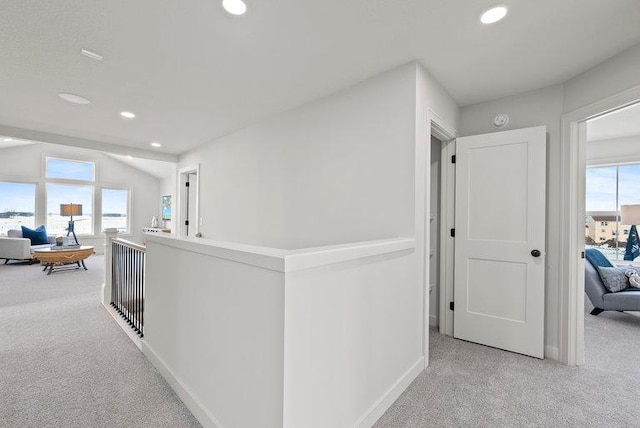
37	236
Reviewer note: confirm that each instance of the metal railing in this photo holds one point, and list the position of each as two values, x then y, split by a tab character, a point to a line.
127	282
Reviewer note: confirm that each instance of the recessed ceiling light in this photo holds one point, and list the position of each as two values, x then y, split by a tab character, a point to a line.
127	115
7	140
495	14
156	144
72	98
234	7
90	54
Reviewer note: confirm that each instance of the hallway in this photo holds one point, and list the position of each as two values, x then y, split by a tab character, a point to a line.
64	362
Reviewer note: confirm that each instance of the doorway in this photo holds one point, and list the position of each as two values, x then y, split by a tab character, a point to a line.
188	204
612	173
573	209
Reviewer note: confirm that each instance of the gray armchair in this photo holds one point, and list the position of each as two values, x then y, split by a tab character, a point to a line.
600	297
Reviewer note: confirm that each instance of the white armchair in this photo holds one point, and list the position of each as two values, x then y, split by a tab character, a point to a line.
15	247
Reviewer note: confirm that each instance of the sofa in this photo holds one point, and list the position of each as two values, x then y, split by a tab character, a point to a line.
15	247
601	298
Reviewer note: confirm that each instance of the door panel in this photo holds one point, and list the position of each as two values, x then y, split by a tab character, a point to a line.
499	220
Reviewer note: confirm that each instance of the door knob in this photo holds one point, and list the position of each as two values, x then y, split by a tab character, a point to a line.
535	253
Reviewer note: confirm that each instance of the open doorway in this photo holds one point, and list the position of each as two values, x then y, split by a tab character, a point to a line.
573	214
612	174
189	207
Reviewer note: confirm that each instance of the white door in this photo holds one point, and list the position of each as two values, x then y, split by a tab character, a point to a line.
499	240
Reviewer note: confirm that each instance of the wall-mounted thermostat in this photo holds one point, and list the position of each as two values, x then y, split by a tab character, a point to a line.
500	120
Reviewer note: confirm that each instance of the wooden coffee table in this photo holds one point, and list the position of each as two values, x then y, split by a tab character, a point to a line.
61	259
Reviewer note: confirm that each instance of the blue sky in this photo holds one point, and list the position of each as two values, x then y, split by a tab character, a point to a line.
21	197
601	187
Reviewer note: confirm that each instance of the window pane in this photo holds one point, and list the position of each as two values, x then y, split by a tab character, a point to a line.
70	169
17	206
115	204
629	180
601	189
66	194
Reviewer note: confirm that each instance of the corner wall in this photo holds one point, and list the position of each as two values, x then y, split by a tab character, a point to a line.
337	170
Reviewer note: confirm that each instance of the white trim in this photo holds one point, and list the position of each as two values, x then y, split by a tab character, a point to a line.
571	267
188	398
447	216
433	321
314	257
551	352
387	399
284	260
444	132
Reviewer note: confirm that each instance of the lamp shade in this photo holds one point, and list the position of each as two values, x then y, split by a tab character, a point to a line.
70	209
630	214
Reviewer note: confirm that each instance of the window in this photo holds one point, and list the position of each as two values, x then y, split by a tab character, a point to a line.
115	209
65	194
608	188
70	169
17	206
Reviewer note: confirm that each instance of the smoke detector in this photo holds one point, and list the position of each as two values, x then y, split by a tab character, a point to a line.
500	120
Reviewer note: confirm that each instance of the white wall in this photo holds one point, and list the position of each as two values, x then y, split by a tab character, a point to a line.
615	150
215	329
615	75
337	170
25	163
353	333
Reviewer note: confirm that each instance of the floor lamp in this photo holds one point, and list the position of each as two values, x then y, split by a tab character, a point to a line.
71	210
630	214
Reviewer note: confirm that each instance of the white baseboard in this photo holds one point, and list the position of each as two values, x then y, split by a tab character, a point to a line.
551	352
124	326
386	400
206	419
433	321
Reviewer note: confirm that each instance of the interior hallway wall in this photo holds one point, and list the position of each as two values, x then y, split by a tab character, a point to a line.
337	170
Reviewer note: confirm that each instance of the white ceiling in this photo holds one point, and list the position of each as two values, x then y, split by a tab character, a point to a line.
156	168
191	72
619	124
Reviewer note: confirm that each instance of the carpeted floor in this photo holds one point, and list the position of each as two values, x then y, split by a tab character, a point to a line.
64	362
468	385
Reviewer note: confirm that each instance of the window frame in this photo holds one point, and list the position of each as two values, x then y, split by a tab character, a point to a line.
36	184
48	179
77	183
129	206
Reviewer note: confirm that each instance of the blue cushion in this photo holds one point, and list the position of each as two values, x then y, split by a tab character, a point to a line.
37	237
596	258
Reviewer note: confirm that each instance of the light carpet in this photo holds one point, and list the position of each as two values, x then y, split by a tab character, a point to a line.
469	385
64	361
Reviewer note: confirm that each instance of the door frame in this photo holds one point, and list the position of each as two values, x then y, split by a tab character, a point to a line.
572	212
441	130
182	197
